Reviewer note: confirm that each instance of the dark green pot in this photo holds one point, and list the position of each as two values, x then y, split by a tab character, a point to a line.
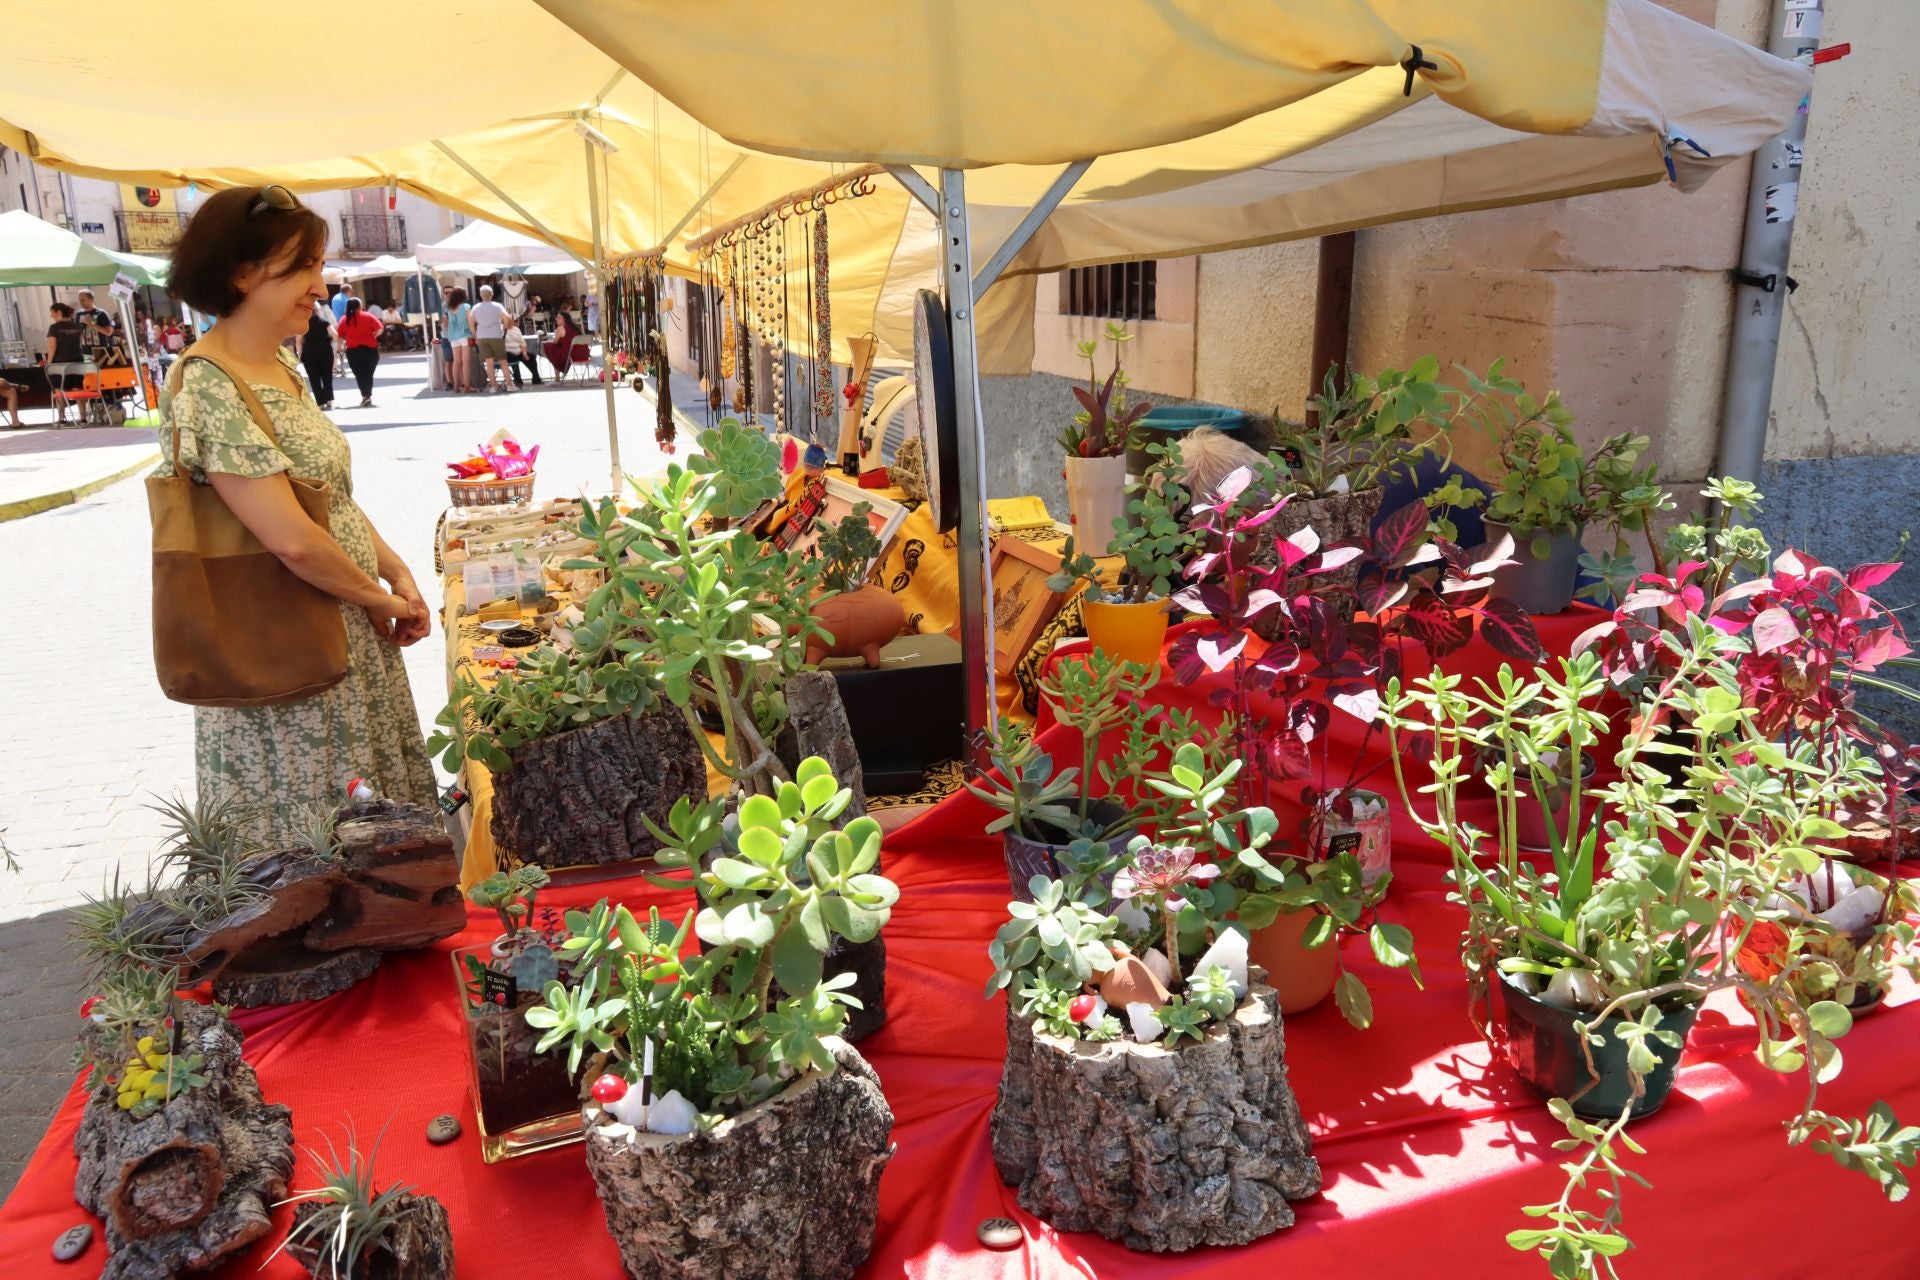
1540	1043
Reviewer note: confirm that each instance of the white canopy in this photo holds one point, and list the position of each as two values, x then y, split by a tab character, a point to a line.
482	242
386	264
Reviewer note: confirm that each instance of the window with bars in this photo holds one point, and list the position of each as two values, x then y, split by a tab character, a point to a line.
1119	291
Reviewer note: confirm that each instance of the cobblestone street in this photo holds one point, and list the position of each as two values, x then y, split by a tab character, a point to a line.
92	742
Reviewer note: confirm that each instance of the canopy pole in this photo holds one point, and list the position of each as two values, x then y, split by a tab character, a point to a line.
133	358
976	606
515	205
1332	315
1024	230
600	256
1761	283
918	187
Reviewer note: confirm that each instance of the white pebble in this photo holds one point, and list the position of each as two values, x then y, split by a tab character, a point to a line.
1855	911
1229	952
1146	1024
671	1113
626	1108
1156	961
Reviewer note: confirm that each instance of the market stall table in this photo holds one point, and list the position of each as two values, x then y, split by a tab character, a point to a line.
1429	1148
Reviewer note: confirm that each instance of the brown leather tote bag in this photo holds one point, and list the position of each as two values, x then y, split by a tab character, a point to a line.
232	625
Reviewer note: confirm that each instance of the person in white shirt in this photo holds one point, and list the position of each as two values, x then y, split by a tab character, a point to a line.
519	354
490	335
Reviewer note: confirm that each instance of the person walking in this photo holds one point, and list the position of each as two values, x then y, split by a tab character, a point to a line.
459	336
361	332
316	354
253	256
489	321
339	303
519	353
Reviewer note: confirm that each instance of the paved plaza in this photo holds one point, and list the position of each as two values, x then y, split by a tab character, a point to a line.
91	742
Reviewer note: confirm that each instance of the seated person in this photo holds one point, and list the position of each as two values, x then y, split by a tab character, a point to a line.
560	350
10	396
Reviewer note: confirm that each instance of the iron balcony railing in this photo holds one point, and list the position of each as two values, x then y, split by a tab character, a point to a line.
368	235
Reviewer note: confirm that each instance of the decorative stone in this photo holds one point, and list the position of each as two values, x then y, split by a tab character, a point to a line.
1228	952
1145	1025
627	1107
1162	1149
672	1114
442	1129
1001	1233
73	1242
789	1189
1157	961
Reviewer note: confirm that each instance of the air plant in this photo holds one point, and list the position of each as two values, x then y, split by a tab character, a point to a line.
350	1218
207	834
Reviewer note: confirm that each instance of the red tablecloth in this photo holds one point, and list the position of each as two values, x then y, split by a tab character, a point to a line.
1428	1150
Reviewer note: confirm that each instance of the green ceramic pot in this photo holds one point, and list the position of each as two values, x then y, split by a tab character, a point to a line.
1540	1043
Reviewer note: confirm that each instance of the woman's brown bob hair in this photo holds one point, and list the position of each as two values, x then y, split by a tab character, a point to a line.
236	229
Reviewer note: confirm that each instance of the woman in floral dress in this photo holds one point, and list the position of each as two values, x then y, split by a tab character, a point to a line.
253	257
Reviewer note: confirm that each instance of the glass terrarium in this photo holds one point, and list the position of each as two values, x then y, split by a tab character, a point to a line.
523	1100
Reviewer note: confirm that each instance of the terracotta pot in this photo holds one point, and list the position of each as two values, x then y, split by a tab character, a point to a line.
1536	585
1097	496
1301	975
859	622
1130	632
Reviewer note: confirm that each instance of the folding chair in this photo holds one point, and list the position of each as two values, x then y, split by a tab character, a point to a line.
86	395
117	379
579	361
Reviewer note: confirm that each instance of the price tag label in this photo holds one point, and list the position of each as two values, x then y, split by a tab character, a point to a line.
1345	842
499	988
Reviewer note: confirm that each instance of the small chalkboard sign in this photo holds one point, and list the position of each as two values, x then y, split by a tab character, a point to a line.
1345	842
498	988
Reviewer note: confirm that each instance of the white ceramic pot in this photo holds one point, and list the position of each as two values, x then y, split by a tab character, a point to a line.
1097	495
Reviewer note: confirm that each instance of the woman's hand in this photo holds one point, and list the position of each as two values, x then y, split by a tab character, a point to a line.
418	624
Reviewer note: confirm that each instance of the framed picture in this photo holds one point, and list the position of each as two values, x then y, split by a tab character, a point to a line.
834	503
1022	601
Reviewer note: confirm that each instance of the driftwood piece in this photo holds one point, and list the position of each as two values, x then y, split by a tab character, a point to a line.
292	975
419	1247
1336	517
194	1182
817	726
1161	1149
577	797
786	1190
393	885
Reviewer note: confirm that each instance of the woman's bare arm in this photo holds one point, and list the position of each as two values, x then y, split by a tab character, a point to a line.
272	514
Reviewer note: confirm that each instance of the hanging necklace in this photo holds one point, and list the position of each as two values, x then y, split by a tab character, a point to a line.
823	397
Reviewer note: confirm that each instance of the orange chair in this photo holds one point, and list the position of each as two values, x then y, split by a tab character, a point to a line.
86	395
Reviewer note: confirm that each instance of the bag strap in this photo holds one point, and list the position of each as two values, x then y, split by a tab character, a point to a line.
256	410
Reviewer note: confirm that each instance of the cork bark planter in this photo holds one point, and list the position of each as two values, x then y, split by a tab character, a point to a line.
1161	1149
195	1182
788	1189
577	798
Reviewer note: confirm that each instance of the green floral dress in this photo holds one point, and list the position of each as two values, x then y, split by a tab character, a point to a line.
285	759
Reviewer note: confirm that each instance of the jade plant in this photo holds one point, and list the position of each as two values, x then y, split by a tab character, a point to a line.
738	1020
1093	697
846	549
550	692
1549	483
686	588
510	895
1696	870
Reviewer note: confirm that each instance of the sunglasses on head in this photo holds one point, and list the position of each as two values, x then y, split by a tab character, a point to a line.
274	197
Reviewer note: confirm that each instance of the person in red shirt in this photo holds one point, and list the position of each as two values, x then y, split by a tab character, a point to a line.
360	330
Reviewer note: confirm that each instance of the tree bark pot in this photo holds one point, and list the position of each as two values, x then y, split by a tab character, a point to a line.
788	1189
577	798
1336	517
196	1181
420	1246
1161	1149
1539	1042
1536	585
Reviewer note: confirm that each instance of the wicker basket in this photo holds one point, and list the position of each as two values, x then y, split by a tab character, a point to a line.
489	491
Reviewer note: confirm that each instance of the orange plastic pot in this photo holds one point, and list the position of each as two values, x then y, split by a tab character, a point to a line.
1301	976
1130	632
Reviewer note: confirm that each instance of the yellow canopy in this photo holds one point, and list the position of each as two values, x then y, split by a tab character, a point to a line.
1216	123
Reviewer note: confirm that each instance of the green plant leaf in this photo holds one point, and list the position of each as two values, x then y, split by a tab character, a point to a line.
1392	945
1351	995
1830	1018
796	965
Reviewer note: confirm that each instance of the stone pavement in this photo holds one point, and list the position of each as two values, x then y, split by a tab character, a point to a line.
89	740
46	467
